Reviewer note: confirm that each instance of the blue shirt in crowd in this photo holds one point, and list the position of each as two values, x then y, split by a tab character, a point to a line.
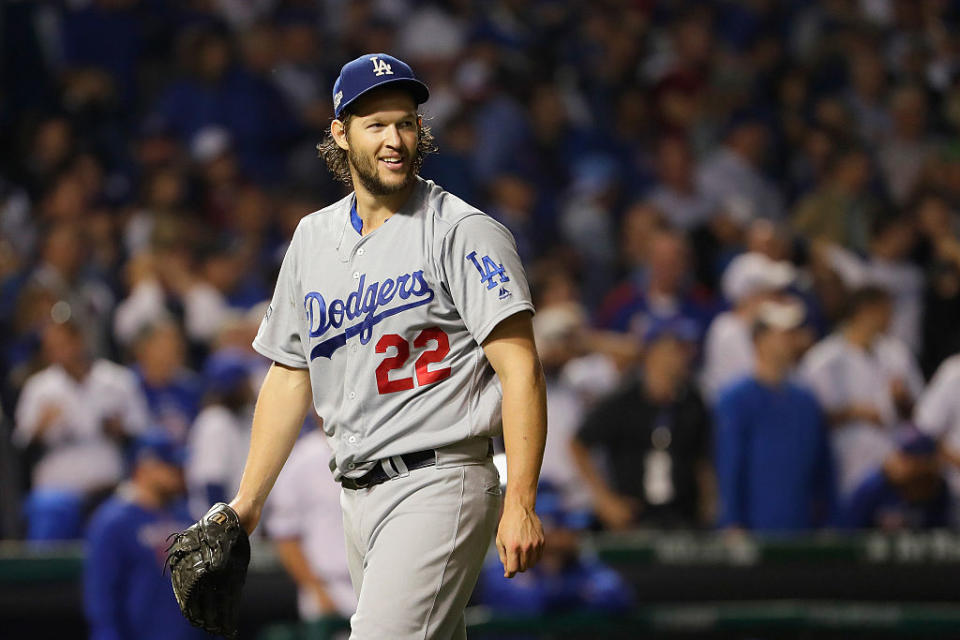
774	466
127	595
877	503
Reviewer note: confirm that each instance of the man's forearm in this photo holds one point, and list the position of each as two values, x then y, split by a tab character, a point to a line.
524	432
588	470
281	407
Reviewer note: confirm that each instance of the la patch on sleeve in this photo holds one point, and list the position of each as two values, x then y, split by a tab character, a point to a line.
490	272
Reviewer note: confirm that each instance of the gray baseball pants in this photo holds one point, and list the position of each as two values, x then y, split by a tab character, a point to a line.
416	544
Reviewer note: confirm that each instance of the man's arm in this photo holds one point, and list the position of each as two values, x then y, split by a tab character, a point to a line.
513	355
616	511
290	553
281	407
730	461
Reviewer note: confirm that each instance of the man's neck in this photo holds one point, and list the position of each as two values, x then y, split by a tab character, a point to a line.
661	389
858	336
374	210
769	373
78	370
141	494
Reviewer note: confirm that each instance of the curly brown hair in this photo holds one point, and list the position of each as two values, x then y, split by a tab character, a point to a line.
339	164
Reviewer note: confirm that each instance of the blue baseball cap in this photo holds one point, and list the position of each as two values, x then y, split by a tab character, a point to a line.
912	441
157	444
225	371
370	71
676	327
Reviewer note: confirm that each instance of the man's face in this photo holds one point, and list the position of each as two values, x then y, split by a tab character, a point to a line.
382	141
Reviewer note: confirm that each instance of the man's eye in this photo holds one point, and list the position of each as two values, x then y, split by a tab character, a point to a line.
376	125
406	124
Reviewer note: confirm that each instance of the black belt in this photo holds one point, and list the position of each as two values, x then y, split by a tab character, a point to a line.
375	476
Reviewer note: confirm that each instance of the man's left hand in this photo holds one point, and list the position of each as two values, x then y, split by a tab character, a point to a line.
519	539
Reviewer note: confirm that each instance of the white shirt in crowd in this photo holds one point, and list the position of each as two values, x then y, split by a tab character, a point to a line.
79	455
840	375
305	505
564	413
737	187
938	412
218	445
205	311
727	353
683	210
903	280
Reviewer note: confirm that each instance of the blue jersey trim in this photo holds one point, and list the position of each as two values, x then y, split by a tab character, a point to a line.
355	219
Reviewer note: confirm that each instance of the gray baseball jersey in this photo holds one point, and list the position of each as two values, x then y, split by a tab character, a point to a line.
390	324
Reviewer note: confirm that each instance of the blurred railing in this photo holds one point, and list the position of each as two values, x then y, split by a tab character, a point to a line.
686	585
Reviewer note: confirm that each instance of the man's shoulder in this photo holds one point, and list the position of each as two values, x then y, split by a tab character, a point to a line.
109	372
323	219
49	376
949	369
444	209
828	350
113	513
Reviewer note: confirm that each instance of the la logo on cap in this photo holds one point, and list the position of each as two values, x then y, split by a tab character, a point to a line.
380	67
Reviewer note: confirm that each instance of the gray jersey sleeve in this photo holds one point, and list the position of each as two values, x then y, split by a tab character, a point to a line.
279	337
483	274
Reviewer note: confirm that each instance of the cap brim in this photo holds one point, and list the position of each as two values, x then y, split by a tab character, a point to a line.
416	88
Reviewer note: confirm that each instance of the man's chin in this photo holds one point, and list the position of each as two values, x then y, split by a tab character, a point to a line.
390	184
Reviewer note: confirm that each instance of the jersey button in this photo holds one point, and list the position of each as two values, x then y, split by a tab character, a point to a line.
352	440
360	251
356	275
353	395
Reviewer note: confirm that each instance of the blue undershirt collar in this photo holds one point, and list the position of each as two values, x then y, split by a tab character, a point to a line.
355	219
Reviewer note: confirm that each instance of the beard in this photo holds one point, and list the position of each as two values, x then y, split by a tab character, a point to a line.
369	177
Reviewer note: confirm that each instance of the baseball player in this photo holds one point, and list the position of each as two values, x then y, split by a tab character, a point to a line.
404	314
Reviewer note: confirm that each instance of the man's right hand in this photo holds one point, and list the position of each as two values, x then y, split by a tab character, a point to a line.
616	512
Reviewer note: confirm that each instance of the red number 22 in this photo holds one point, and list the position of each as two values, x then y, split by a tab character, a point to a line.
424	375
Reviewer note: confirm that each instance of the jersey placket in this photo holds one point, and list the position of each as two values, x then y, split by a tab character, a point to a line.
354	371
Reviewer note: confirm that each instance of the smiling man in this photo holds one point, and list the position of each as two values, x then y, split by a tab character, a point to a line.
404	315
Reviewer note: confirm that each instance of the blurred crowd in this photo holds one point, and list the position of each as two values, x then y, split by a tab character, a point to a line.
739	219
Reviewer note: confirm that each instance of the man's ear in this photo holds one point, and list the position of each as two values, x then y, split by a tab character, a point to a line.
339	133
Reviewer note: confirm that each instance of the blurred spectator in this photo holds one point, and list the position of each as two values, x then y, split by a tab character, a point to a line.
80	296
660	287
172	281
750	280
905	153
937	224
587	221
683	204
839	210
732	177
937	414
172	391
74	417
654	435
220	436
566	579
866	381
126	592
303	520
774	468
907	493
560	333
887	265
865	96
215	91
